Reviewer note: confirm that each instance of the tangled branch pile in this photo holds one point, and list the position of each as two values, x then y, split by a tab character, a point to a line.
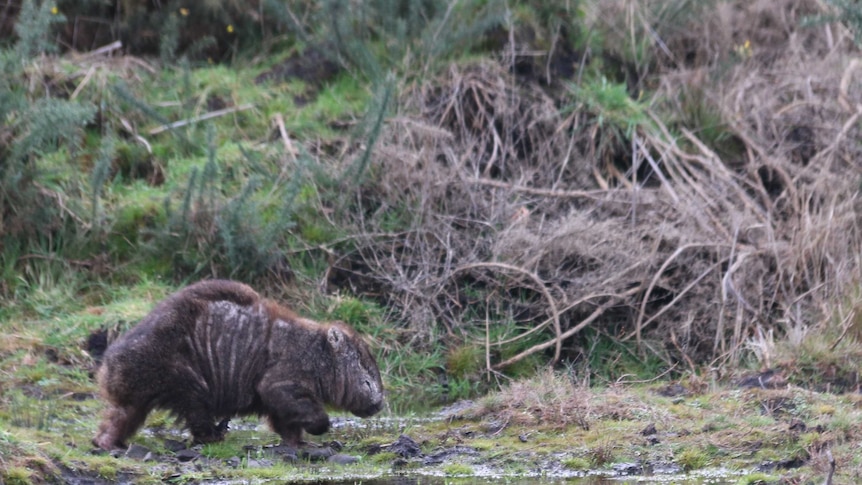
722	208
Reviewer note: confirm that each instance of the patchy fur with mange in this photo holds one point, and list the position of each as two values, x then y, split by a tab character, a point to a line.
216	349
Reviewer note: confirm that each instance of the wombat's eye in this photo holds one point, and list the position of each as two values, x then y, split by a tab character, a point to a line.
368	384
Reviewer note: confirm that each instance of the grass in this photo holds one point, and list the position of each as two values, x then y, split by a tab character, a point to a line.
692	459
197	201
721	426
577	463
757	478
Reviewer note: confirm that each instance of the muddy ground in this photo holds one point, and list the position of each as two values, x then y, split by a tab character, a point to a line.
544	430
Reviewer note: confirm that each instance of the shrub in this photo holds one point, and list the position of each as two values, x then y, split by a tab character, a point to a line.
37	125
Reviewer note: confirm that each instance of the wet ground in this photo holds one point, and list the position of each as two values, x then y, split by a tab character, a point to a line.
402	461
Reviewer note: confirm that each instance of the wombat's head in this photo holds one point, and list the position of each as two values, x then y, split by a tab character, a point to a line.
361	390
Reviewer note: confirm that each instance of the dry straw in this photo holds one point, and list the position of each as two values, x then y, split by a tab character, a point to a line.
538	216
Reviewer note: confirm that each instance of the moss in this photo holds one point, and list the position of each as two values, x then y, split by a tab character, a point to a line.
484	444
464	360
317	233
16	475
692	459
223	450
384	457
576	463
823	409
365	316
130	222
757	479
457	469
108	472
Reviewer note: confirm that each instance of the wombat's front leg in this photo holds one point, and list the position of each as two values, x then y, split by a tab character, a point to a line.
118	423
291	408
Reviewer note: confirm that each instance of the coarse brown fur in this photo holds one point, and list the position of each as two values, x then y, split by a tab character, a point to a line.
216	349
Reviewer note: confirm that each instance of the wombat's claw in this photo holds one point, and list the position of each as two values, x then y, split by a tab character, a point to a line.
222	426
212	435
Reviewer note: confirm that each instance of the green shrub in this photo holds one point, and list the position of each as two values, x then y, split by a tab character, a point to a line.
37	126
378	36
848	12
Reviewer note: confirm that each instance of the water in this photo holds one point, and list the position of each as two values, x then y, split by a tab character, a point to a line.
714	477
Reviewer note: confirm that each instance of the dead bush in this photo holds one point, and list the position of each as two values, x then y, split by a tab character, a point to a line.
524	217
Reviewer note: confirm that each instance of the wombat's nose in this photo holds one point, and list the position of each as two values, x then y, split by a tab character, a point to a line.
372	409
376	407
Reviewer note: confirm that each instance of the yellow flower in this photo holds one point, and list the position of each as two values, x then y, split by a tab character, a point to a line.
184	11
230	29
744	50
54	10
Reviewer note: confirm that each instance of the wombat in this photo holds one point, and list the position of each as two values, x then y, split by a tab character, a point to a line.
216	349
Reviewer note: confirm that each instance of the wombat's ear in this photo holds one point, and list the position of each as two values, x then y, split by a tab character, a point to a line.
335	337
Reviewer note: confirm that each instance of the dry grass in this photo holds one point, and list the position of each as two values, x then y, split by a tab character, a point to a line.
523	205
550	399
699	428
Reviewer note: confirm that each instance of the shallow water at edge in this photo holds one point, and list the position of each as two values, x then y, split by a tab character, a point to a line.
713	477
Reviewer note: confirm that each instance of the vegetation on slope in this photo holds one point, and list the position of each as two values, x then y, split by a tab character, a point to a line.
660	189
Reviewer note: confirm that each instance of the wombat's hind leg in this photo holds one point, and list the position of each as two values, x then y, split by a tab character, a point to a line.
118	423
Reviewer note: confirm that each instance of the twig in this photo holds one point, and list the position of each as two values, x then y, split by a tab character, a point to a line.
568	333
59	196
639	324
665	183
487	341
542	288
850	123
116	45
844	85
846	323
196	119
561	311
53	258
129	128
831	459
645	381
288	145
684	355
679	296
140	63
335	242
424	128
83	83
534	191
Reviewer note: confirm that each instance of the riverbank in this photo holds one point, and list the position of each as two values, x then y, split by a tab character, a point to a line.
546	427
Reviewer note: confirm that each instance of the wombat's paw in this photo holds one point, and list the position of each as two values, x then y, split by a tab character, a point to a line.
222	427
207	438
203	433
318	427
291	436
106	442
